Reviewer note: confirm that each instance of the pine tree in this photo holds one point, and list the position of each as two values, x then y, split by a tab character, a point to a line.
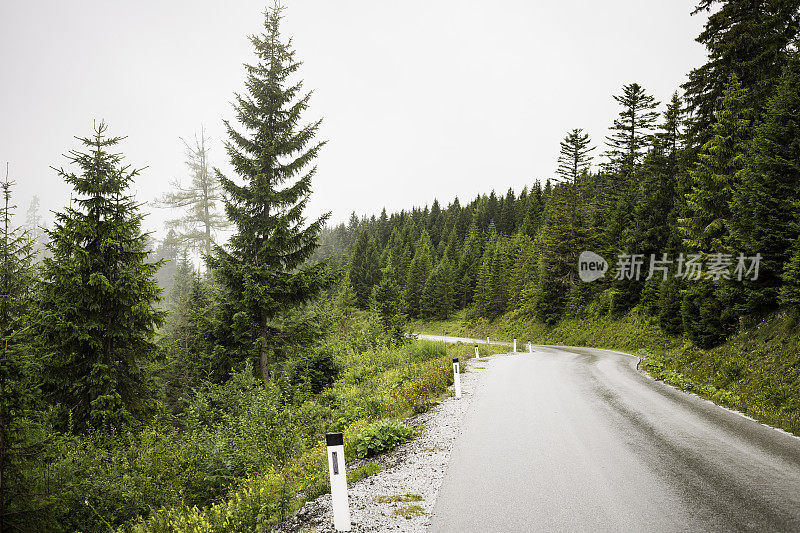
632	131
34	226
632	134
468	264
559	245
749	39
16	392
387	301
508	214
263	266
168	253
438	296
417	276
574	158
365	268
200	201
765	208
96	319
573	167
654	215
706	228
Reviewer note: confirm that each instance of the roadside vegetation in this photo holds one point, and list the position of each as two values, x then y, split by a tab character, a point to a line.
141	390
142	393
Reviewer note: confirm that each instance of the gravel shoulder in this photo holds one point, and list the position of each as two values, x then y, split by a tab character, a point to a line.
401	497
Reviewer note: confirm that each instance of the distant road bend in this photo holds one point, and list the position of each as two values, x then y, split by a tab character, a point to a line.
577	439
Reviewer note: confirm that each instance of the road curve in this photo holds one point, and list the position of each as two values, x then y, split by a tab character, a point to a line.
577	439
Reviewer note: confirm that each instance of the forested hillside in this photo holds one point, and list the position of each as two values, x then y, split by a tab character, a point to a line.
692	202
141	389
139	392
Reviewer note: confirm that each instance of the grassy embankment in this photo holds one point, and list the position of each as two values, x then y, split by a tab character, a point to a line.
375	384
756	372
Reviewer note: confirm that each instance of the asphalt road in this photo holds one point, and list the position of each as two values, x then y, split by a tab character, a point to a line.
576	439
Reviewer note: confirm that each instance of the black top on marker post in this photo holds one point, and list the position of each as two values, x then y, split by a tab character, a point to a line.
455	359
334	439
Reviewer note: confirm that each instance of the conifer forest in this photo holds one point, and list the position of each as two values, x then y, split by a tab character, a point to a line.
186	383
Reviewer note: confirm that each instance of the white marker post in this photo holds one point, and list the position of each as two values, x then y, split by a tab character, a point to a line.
487	341
477	355
515	345
341	509
456	377
530	347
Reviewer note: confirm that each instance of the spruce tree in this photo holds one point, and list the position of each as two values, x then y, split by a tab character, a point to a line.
96	318
202	220
706	226
365	268
438	296
573	167
632	134
558	247
417	276
765	206
632	131
468	265
264	264
574	158
387	301
653	221
749	39
16	391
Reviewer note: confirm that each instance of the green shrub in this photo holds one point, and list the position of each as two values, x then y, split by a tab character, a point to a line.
314	372
382	436
707	318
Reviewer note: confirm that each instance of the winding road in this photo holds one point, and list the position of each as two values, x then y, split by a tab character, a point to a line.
578	439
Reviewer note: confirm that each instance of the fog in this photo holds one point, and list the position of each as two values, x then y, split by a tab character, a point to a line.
419	99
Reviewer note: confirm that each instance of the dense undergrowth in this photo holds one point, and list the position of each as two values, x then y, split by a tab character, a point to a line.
378	383
757	371
239	456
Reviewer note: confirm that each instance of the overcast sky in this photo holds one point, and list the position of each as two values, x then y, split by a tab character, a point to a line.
420	99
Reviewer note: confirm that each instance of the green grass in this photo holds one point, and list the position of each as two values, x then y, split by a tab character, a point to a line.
399	498
369	469
409	511
756	372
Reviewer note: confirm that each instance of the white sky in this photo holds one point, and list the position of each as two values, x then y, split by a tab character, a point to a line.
420	99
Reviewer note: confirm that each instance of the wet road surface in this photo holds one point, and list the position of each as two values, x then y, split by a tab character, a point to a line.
577	439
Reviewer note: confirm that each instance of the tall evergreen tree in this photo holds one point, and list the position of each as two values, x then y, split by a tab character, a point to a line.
706	228
559	245
438	296
574	158
365	268
417	275
654	218
96	317
632	131
573	167
16	393
263	266
765	206
468	264
387	301
749	39
201	221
